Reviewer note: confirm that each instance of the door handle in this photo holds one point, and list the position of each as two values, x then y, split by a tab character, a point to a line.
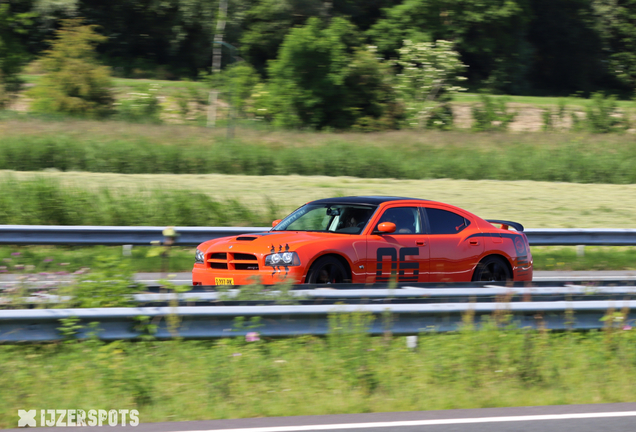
420	243
474	242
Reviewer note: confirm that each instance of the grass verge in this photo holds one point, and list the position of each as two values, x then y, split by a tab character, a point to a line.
345	372
144	149
215	199
43	201
46	262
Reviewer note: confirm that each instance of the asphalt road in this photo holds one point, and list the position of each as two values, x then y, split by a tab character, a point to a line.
619	417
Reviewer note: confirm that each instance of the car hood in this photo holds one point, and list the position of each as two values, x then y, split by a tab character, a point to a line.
264	242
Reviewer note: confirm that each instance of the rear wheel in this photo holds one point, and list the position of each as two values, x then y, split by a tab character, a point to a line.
327	270
492	269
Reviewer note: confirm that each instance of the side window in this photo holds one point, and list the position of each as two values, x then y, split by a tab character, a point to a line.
406	220
445	222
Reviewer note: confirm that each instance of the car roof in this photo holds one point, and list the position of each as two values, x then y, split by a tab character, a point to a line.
374	200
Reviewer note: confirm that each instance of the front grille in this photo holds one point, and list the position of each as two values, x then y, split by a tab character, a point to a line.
233	261
218	261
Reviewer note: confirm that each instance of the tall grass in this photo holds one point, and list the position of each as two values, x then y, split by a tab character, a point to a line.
346	372
45	261
540	157
44	202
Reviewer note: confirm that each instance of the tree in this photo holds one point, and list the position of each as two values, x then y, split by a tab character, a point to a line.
12	52
160	39
372	102
490	36
74	82
567	49
238	82
616	24
316	79
267	23
430	74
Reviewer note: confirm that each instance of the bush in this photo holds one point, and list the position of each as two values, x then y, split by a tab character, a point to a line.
237	82
429	77
140	107
553	119
601	116
492	115
74	82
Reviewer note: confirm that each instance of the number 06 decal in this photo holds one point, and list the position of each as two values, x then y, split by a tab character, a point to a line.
402	264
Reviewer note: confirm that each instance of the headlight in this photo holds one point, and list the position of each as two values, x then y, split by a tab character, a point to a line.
282	259
198	256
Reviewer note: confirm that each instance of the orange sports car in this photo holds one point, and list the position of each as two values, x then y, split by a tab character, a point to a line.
369	239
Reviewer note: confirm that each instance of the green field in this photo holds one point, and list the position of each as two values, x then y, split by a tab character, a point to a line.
260	199
116	147
345	372
48	261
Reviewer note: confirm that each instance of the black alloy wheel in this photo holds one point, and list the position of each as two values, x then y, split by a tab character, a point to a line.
327	270
492	269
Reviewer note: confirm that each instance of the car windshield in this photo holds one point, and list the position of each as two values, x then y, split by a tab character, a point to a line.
337	218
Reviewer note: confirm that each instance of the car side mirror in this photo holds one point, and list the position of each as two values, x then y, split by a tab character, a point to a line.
386	227
276	222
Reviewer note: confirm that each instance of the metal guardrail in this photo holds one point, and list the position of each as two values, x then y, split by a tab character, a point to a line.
111	235
579	236
191	236
200	322
410	294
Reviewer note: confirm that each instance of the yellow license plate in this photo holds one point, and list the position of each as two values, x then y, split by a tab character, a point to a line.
224	281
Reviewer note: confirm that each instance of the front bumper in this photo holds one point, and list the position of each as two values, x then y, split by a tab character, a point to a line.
266	276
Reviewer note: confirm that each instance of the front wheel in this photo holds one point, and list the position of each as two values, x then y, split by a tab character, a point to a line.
327	270
492	269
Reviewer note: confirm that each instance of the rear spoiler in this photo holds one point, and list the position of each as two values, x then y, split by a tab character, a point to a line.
505	224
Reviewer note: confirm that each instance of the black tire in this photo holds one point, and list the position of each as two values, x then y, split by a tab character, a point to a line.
327	270
492	269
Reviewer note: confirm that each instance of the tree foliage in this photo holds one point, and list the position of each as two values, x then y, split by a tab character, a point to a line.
430	74
490	35
267	23
160	39
238	81
568	55
316	80
617	28
74	82
12	52
535	47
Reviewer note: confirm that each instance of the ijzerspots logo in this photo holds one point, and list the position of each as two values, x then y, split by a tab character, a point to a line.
77	417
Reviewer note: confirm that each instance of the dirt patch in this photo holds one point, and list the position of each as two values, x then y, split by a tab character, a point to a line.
529	118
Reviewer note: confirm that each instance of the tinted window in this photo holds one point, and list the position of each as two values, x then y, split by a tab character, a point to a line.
406	220
445	222
339	218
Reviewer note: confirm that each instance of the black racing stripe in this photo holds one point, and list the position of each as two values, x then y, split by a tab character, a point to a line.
510	236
